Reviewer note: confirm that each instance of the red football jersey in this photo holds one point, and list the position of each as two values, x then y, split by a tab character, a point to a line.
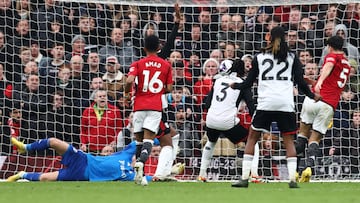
152	74
334	84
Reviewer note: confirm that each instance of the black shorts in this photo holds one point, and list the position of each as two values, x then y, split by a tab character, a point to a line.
236	134
286	121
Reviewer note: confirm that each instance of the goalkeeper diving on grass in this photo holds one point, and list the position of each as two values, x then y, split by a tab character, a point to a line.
80	166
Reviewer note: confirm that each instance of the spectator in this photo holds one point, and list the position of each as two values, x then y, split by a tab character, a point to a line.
14	123
250	18
116	47
23	8
353	23
295	44
61	120
4	56
189	139
179	76
203	86
80	78
305	56
225	34
33	103
350	50
322	37
114	79
230	51
238	30
294	19
347	103
62	82
18	67
8	19
100	124
93	65
331	15
196	46
208	29
36	54
247	59
87	28
307	32
49	67
78	44
354	76
217	54
131	35
351	138
5	89
22	37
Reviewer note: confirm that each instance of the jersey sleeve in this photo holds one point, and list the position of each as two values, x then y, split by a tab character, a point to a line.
133	69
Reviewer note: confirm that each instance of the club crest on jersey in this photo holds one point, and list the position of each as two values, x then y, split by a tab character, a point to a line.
153	64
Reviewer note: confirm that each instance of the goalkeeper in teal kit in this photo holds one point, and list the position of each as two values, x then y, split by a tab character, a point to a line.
80	166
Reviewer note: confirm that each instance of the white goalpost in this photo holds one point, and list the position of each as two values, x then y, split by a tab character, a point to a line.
44	38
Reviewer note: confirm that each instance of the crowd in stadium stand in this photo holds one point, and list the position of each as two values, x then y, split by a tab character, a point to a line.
55	55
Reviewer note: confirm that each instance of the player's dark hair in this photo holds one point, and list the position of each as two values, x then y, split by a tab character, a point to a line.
336	42
152	43
278	46
238	66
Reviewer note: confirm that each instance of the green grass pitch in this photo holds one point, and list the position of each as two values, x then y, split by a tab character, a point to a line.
173	192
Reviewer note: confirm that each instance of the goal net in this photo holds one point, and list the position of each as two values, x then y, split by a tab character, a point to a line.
54	55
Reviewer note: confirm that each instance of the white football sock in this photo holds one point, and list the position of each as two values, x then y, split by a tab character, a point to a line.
255	161
206	156
291	165
165	162
175	143
246	166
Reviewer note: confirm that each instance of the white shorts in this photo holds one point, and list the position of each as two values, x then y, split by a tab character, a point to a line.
149	120
319	114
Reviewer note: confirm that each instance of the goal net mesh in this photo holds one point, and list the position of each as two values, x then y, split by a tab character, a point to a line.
55	54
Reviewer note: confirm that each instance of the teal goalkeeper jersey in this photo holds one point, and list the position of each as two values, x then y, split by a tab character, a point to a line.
114	167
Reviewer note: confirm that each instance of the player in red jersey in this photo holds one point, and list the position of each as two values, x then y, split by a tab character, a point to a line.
154	78
316	116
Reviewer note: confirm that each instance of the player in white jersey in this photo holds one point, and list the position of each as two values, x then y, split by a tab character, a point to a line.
223	107
275	68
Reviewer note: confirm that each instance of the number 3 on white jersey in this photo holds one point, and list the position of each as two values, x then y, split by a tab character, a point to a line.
149	84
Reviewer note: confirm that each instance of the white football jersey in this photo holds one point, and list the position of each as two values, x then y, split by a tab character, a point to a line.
275	83
222	114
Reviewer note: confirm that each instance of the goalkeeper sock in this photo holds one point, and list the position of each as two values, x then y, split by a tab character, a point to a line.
255	161
311	154
206	156
246	166
165	162
31	176
300	143
292	165
175	144
38	145
146	150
